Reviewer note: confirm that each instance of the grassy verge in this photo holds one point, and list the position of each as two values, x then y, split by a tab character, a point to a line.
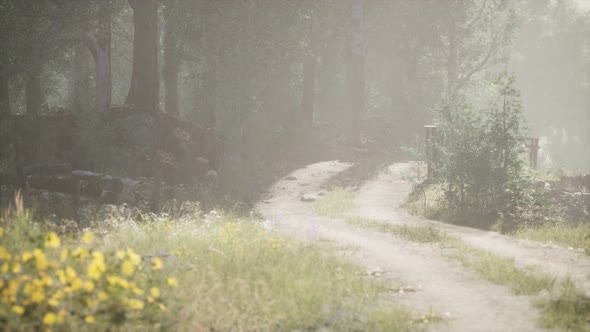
335	203
419	234
187	274
575	236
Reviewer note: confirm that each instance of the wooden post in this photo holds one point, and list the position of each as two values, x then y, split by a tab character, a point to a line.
430	135
533	151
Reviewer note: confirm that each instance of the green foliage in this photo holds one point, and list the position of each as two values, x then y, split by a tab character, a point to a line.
479	160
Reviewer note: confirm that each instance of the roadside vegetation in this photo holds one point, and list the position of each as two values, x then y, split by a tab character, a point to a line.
193	272
568	235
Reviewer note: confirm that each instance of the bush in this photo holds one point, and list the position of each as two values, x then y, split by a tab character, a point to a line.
479	160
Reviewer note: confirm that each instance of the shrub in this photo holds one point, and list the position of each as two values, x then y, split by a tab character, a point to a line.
479	160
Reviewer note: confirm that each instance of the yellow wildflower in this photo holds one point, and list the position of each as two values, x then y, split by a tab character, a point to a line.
137	291
16	268
64	255
157	264
49	318
97	267
27	255
61	276
60	316
3	253
52	240
133	257
38	296
46	280
173	282
155	292
136	304
88	286
102	295
88	237
40	260
127	268
53	302
59	294
71	273
89	319
94	271
80	253
18	309
120	254
76	284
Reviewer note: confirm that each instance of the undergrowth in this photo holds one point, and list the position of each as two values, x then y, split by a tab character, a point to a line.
196	273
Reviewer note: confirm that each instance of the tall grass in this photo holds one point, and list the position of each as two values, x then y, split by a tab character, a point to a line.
567	235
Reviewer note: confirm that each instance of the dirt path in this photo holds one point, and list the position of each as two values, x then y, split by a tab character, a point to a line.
378	199
443	285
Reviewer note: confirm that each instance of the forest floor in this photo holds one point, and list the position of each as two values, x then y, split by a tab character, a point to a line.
472	280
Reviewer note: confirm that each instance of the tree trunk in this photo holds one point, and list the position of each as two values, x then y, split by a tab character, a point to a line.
33	101
144	88
78	76
102	59
4	116
309	77
33	95
171	61
357	69
4	96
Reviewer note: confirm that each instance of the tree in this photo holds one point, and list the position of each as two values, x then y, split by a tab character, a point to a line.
171	60
357	67
99	45
144	88
4	96
474	35
79	75
309	72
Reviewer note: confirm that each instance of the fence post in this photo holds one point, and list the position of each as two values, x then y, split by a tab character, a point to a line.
430	135
533	151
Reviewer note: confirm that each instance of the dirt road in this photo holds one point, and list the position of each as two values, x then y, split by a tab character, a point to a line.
443	285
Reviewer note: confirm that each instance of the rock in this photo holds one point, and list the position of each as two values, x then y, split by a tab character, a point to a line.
291	178
308	198
211	175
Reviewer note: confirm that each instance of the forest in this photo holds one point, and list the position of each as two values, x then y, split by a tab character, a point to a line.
294	165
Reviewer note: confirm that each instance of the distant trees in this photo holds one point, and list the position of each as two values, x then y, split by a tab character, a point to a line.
357	67
474	37
171	66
